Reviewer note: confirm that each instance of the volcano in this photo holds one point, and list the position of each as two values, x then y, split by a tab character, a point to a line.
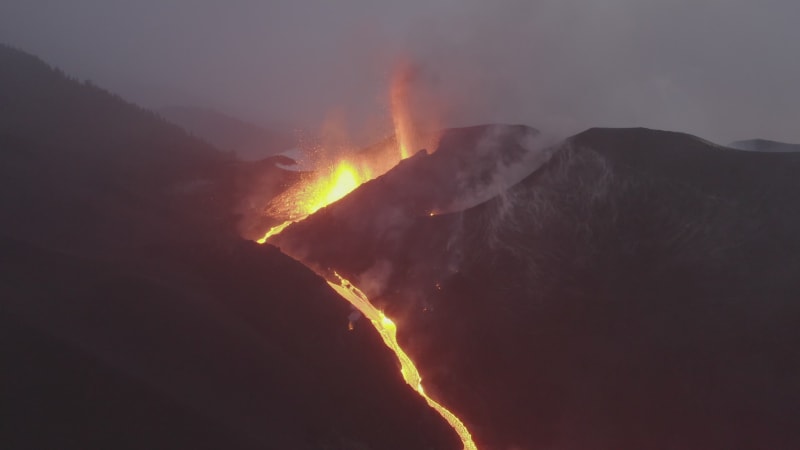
619	289
635	289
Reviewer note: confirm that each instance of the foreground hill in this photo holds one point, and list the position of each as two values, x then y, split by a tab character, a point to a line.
132	315
638	290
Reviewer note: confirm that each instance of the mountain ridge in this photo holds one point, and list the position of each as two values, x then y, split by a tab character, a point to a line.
638	279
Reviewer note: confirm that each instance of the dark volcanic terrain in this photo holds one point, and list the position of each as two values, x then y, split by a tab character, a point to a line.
133	316
622	289
638	290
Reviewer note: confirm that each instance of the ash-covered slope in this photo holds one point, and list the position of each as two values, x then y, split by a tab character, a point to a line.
469	166
638	290
133	317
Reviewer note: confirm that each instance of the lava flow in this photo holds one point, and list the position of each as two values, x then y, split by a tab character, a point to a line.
388	331
317	190
332	181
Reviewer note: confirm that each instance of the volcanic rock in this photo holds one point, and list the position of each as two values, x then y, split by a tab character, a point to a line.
638	290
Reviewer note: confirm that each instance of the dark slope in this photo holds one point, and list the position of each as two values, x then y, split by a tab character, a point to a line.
638	291
79	408
248	140
247	347
131	314
764	145
81	168
469	166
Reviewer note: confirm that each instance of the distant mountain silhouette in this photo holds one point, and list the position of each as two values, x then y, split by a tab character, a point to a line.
764	145
133	316
637	290
248	140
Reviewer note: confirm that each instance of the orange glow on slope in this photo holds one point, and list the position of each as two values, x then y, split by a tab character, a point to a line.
329	185
388	331
332	182
317	191
274	230
344	180
333	178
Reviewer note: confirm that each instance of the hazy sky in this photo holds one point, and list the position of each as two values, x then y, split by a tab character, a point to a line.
722	69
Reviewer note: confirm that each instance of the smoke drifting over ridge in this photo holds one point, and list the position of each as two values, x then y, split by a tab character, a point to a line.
721	69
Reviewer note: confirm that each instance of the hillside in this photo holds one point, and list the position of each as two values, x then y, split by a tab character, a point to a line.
638	290
133	316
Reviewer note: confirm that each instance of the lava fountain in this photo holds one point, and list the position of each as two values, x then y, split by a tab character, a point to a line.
316	190
333	181
400	110
334	178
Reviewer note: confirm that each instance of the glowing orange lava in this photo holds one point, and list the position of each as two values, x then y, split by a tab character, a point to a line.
342	181
274	230
388	331
318	190
331	182
327	187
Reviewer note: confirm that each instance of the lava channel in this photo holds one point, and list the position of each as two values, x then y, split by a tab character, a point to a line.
388	331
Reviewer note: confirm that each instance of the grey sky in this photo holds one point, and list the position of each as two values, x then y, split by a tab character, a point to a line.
722	69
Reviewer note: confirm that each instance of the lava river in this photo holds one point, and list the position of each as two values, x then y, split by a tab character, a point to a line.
325	190
333	181
388	331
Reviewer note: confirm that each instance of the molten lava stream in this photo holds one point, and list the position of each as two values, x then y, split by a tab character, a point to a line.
321	192
333	182
388	331
274	230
